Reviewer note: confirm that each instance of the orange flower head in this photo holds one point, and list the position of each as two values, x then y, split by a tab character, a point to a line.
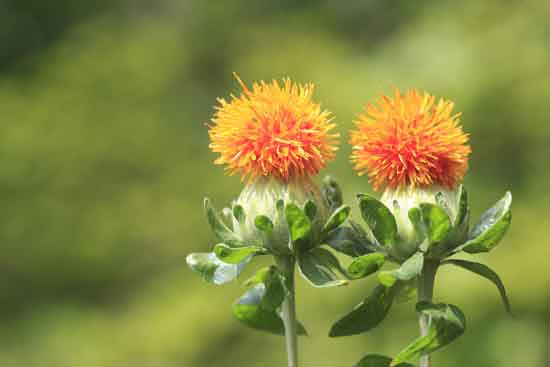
410	140
273	129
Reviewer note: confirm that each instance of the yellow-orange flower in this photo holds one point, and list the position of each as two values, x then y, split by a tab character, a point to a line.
274	130
410	141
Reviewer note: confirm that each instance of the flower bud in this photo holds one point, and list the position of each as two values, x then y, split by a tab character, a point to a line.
402	199
264	196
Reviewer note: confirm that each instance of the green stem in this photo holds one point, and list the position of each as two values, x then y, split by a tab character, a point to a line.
286	265
425	293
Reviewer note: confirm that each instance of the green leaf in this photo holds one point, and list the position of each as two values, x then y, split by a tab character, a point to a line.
337	218
212	269
310	209
463	210
365	265
376	360
459	231
299	225
221	231
274	288
491	227
366	315
263	223
437	223
346	241
332	193
319	267
487	273
415	216
275	292
379	219
410	269
235	255
446	324
239	214
251	310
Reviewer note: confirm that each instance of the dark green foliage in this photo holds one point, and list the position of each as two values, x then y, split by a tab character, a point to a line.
436	222
338	216
379	219
299	226
366	315
490	229
347	241
365	265
320	268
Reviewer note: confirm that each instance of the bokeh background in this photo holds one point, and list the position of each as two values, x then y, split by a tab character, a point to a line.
104	162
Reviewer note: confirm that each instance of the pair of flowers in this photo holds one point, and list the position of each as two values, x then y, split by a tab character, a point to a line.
278	138
278	131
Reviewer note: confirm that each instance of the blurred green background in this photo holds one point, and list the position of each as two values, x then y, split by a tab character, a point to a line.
104	162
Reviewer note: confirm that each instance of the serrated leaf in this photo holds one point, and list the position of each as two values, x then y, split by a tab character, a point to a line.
446	324
379	219
346	241
319	267
250	310
212	269
235	255
338	217
410	269
366	265
299	225
376	360
332	193
366	315
220	229
263	223
491	227
485	272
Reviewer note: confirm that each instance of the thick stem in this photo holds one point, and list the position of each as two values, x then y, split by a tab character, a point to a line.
286	265
425	293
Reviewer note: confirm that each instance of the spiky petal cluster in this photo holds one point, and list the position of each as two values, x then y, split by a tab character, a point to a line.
410	140
273	130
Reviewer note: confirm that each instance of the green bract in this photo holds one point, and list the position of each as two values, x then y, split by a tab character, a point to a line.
437	227
417	230
284	220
